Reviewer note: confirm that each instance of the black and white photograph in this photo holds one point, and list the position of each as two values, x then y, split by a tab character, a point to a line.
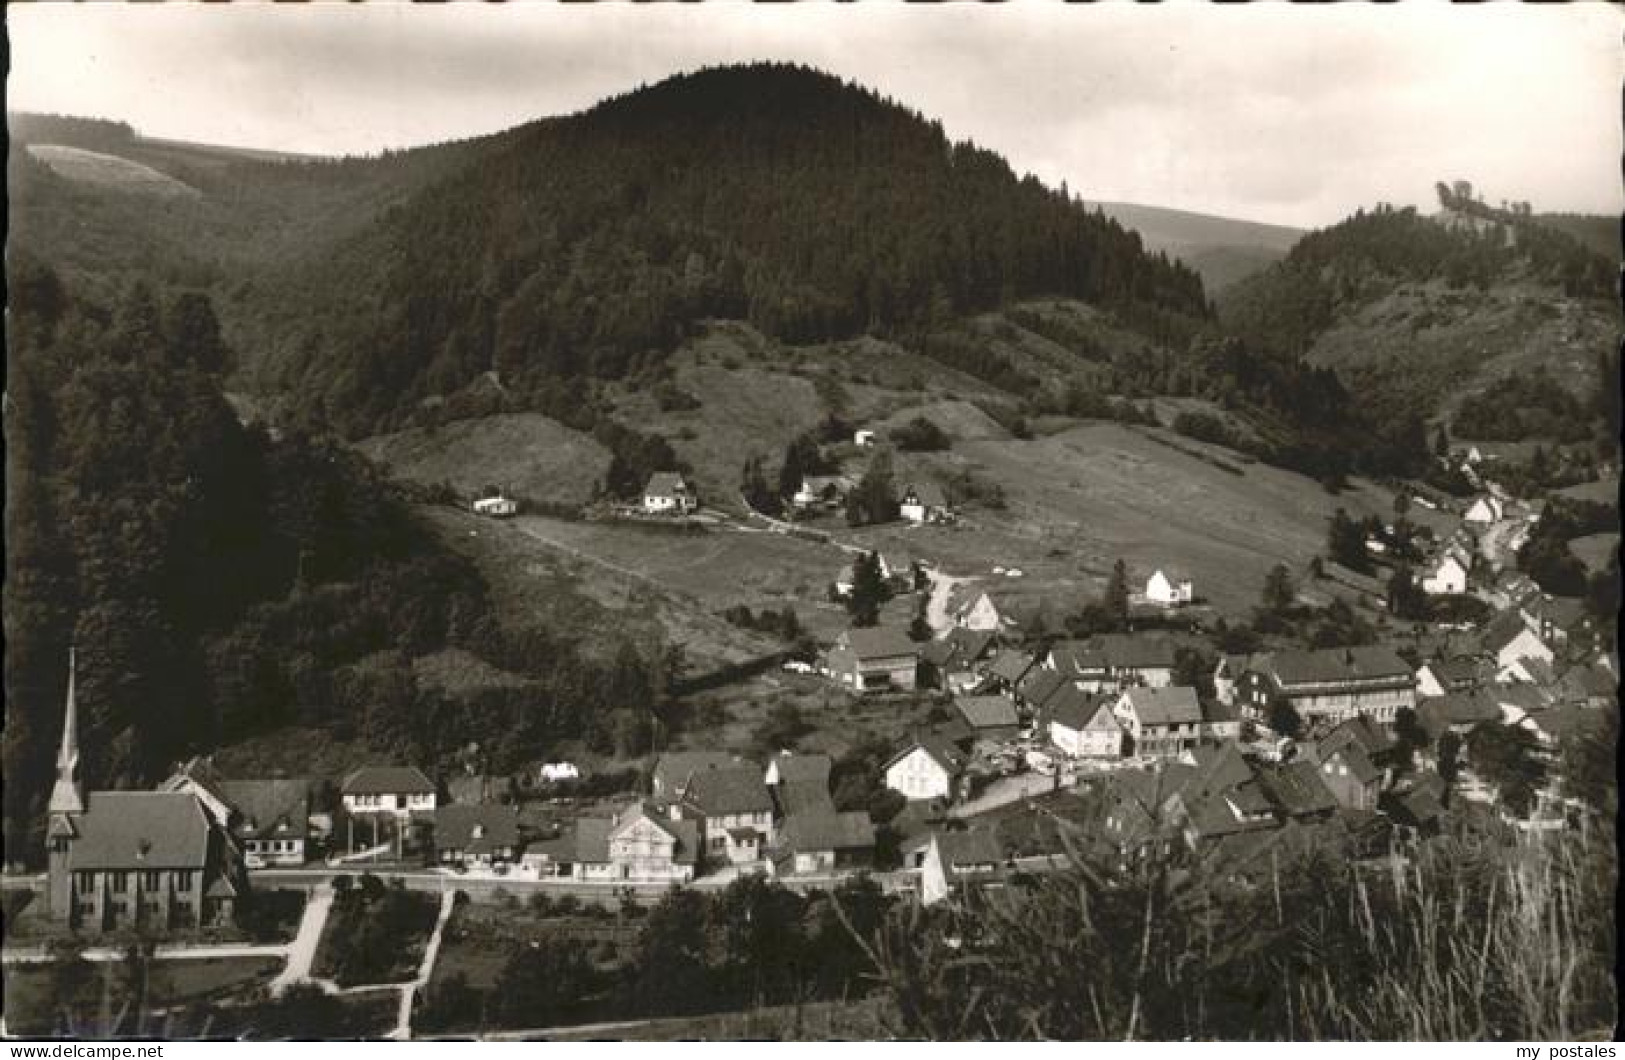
871	522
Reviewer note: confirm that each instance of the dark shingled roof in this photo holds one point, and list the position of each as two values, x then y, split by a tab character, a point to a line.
142	830
1337	665
1040	684
1073	708
724	792
878	642
974	846
827	830
803	768
1440	713
268	809
1174	705
927	493
673	768
1011	665
939	747
455	825
802	796
664	484
1297	789
987	712
387	780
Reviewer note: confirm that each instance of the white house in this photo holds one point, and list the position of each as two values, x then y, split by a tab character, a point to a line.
397	790
923	503
1510	641
668	494
981	615
1086	729
552	772
928	768
1168	589
863	439
1484	511
1161	721
498	507
1448	577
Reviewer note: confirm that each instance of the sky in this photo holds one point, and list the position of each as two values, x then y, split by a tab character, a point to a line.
1268	112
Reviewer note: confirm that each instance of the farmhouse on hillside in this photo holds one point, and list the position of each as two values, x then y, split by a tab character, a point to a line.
668	494
638	844
818	491
1169	589
1447	577
119	859
735	813
873	659
923	502
981	615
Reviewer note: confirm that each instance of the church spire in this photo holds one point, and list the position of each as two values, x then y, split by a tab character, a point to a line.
66	796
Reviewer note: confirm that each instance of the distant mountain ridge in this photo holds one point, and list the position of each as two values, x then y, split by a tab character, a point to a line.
1222	249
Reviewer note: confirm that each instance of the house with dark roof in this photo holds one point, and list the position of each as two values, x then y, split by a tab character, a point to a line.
799	783
1163	721
1083	726
956	660
270	818
400	791
735	813
674	769
928	767
980	614
1008	667
825	840
126	859
643	843
1439	677
873	659
1348	772
668	493
1330	683
947	860
988	717
476	835
1114	661
1297	789
1508	640
1038	687
1458	712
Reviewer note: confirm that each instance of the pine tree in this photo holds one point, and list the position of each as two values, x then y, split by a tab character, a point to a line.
868	590
1115	598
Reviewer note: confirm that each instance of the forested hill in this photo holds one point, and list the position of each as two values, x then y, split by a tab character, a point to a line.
588	246
1420	314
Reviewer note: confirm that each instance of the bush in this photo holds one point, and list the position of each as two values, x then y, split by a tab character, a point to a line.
920	435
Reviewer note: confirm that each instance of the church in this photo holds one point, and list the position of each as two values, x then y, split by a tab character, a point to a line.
119	859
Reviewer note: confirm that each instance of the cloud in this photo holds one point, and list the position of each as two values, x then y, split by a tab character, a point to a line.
1268	111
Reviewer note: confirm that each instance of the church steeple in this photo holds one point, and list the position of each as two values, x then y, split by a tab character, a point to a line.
67	796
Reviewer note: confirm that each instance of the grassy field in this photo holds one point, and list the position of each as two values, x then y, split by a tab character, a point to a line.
1595	550
108	171
534	457
31	1007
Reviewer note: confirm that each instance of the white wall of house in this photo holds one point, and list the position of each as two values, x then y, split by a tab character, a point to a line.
399	805
981	616
1161	589
1448	578
919	776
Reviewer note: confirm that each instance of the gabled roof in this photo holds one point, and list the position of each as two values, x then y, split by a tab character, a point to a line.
673	769
1438	713
817	830
802	768
266	809
387	780
1361	732
1128	651
1450	672
726	792
942	751
1040	684
971	644
665	484
1503	631
1297	789
1220	768
802	797
973	846
1326	666
1010	665
987	712
877	642
455	827
1073	708
1354	757
938	653
927	493
142	830
1173	705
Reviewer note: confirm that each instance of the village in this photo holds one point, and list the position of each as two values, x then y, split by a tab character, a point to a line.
1156	732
